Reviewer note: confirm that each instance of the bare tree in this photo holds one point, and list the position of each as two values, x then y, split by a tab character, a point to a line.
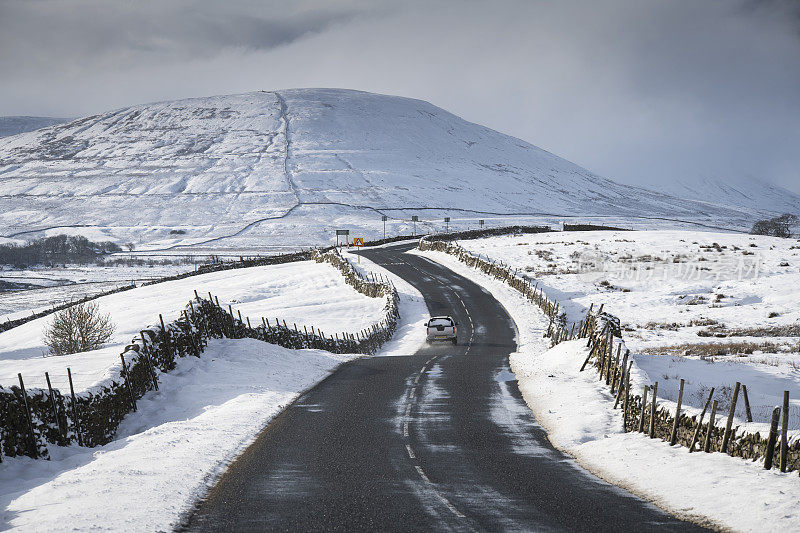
78	328
777	227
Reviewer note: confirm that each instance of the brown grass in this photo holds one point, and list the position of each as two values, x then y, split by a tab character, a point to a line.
789	330
711	349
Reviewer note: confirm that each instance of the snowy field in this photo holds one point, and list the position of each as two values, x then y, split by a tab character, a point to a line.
576	410
51	286
303	293
711	308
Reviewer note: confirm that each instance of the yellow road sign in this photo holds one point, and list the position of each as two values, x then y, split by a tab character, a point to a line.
358	241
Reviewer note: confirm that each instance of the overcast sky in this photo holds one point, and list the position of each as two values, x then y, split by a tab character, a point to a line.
636	90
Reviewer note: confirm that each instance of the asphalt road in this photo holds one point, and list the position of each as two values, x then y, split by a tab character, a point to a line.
437	440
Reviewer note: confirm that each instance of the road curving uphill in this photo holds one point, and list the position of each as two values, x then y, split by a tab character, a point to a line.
436	440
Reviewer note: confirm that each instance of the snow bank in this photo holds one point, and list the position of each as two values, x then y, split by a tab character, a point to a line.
169	452
577	413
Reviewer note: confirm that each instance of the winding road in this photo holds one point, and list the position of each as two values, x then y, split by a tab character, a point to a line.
438	440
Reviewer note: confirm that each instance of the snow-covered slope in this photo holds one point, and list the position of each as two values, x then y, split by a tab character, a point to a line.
750	193
289	166
16	125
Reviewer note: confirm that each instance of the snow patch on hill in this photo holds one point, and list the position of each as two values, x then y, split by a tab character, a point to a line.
749	193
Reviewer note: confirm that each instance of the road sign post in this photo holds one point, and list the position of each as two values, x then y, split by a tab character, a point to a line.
358	242
384	217
414	219
480	223
345	232
447	224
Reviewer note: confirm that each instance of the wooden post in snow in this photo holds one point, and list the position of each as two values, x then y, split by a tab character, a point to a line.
653	406
784	429
673	436
31	435
711	426
61	430
700	421
747	411
75	422
727	435
644	406
773	436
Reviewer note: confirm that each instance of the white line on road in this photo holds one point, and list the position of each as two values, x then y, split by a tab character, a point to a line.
410	451
409	399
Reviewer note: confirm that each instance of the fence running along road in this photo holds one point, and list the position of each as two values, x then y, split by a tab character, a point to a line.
437	440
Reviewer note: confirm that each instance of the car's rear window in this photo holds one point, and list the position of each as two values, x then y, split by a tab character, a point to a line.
440	322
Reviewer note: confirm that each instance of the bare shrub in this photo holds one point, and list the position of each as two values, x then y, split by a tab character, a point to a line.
78	328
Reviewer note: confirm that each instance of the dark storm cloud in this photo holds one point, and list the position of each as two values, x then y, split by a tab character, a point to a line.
43	34
638	90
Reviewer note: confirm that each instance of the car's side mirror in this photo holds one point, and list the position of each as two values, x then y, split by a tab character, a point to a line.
457	324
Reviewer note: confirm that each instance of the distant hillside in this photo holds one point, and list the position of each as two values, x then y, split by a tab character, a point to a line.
288	167
15	125
750	193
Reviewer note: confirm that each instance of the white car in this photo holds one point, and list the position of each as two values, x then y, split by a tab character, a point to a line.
442	328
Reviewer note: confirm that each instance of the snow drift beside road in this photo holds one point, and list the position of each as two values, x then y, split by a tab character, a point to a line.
170	451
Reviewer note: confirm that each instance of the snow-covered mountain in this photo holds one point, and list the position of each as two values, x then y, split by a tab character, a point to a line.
285	168
747	192
16	125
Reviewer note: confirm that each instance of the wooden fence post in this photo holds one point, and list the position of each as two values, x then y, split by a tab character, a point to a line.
784	429
621	384
747	411
166	337
614	368
627	387
707	445
608	347
727	435
653	407
673	436
75	422
700	421
640	429
61	430
149	361
128	382
31	435
773	436
586	361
